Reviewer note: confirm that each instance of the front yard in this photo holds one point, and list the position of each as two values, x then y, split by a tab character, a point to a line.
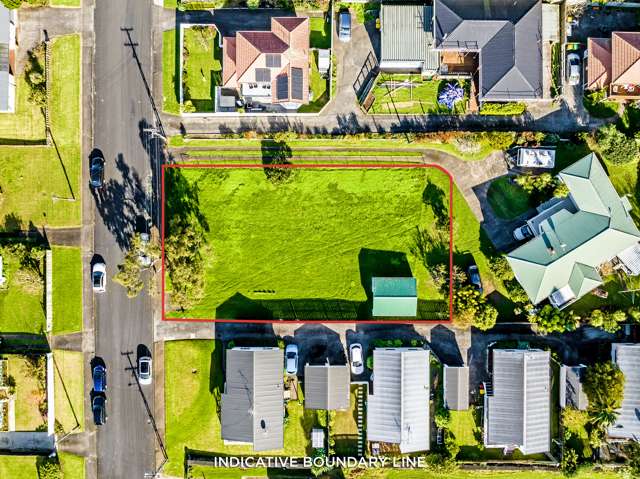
69	390
201	69
67	289
410	94
29	374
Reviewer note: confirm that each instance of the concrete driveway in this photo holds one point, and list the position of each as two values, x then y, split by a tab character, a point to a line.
230	21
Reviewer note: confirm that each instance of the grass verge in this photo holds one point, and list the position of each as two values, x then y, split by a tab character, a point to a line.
67	290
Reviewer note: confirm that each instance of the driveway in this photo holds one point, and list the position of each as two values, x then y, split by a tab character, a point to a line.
230	21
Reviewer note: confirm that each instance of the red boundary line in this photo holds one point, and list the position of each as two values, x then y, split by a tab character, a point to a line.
324	166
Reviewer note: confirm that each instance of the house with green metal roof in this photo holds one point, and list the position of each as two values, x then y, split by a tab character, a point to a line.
574	237
394	296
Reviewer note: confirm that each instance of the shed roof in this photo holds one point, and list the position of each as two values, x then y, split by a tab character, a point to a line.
519	412
571	391
394	296
627	424
253	401
398	409
456	387
326	387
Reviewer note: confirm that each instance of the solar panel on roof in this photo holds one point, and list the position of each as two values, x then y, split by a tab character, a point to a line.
296	83
263	74
282	87
273	60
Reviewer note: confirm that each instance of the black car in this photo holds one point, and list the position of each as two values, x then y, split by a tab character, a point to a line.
99	407
474	277
96	171
99	374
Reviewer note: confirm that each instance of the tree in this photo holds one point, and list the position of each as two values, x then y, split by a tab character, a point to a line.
12	4
552	320
472	309
616	147
130	271
501	268
561	190
575	421
609	321
184	262
604	386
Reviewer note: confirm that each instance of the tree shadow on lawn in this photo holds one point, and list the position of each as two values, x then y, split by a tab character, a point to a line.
276	153
182	199
434	197
379	263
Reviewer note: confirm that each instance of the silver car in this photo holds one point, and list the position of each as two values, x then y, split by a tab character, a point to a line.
573	69
144	370
344	26
98	277
355	353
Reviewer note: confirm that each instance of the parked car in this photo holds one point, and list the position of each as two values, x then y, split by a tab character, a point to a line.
523	232
474	277
144	370
355	353
291	358
573	69
99	408
96	171
344	26
99	374
98	277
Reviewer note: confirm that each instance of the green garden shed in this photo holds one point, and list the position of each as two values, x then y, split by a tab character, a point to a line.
394	296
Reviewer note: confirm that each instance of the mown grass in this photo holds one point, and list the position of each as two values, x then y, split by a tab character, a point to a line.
319	86
67	289
170	100
319	32
65	3
202	67
472	474
41	185
69	387
193	380
27	398
25	467
27	122
72	466
507	200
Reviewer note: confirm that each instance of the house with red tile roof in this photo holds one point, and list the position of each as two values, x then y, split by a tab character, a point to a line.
269	66
614	64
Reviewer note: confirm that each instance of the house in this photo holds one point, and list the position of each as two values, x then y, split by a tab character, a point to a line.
571	391
8	20
406	39
517	405
327	387
627	424
398	409
498	43
394	296
253	398
269	66
456	387
614	64
574	236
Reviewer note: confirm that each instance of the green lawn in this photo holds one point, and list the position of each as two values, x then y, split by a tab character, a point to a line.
507	200
467	474
21	307
28	396
42	184
319	87
27	123
170	100
72	466
65	3
193	380
345	428
320	32
25	467
202	66
67	290
419	98
69	387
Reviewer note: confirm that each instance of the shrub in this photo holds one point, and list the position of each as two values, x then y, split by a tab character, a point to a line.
253	3
609	321
467	143
509	109
569	462
597	105
499	140
501	268
552	320
49	468
370	362
604	385
472	309
616	147
12	4
34	73
450	444
517	294
536	183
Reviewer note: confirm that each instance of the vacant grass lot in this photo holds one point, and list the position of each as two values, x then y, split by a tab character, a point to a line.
310	246
507	199
475	474
193	382
69	387
67	290
410	94
202	67
41	185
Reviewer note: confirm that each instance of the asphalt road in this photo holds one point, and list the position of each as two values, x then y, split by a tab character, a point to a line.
125	445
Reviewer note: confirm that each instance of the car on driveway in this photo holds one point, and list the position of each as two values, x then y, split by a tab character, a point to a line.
96	171
99	277
99	408
523	232
355	353
291	359
99	375
144	370
573	69
474	277
344	26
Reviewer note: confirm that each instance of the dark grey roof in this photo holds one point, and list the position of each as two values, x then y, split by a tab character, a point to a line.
253	401
627	425
406	35
456	387
398	409
296	83
571	391
506	33
282	87
326	387
519	411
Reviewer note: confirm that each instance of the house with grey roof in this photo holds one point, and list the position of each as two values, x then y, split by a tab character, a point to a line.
456	387
406	39
398	409
253	398
8	20
500	41
327	387
627	424
394	297
571	391
574	237
517	403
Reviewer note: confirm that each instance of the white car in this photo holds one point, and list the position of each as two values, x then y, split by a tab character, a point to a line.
573	69
144	370
291	359
355	353
98	277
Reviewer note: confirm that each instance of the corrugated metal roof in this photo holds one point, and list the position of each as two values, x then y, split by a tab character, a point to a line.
326	387
5	39
456	387
627	425
253	401
398	409
519	412
571	390
406	35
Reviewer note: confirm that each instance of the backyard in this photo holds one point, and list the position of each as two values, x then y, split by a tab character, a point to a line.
202	68
193	384
26	124
406	94
67	290
345	428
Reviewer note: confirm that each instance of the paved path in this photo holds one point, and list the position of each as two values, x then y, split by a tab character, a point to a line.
68	342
